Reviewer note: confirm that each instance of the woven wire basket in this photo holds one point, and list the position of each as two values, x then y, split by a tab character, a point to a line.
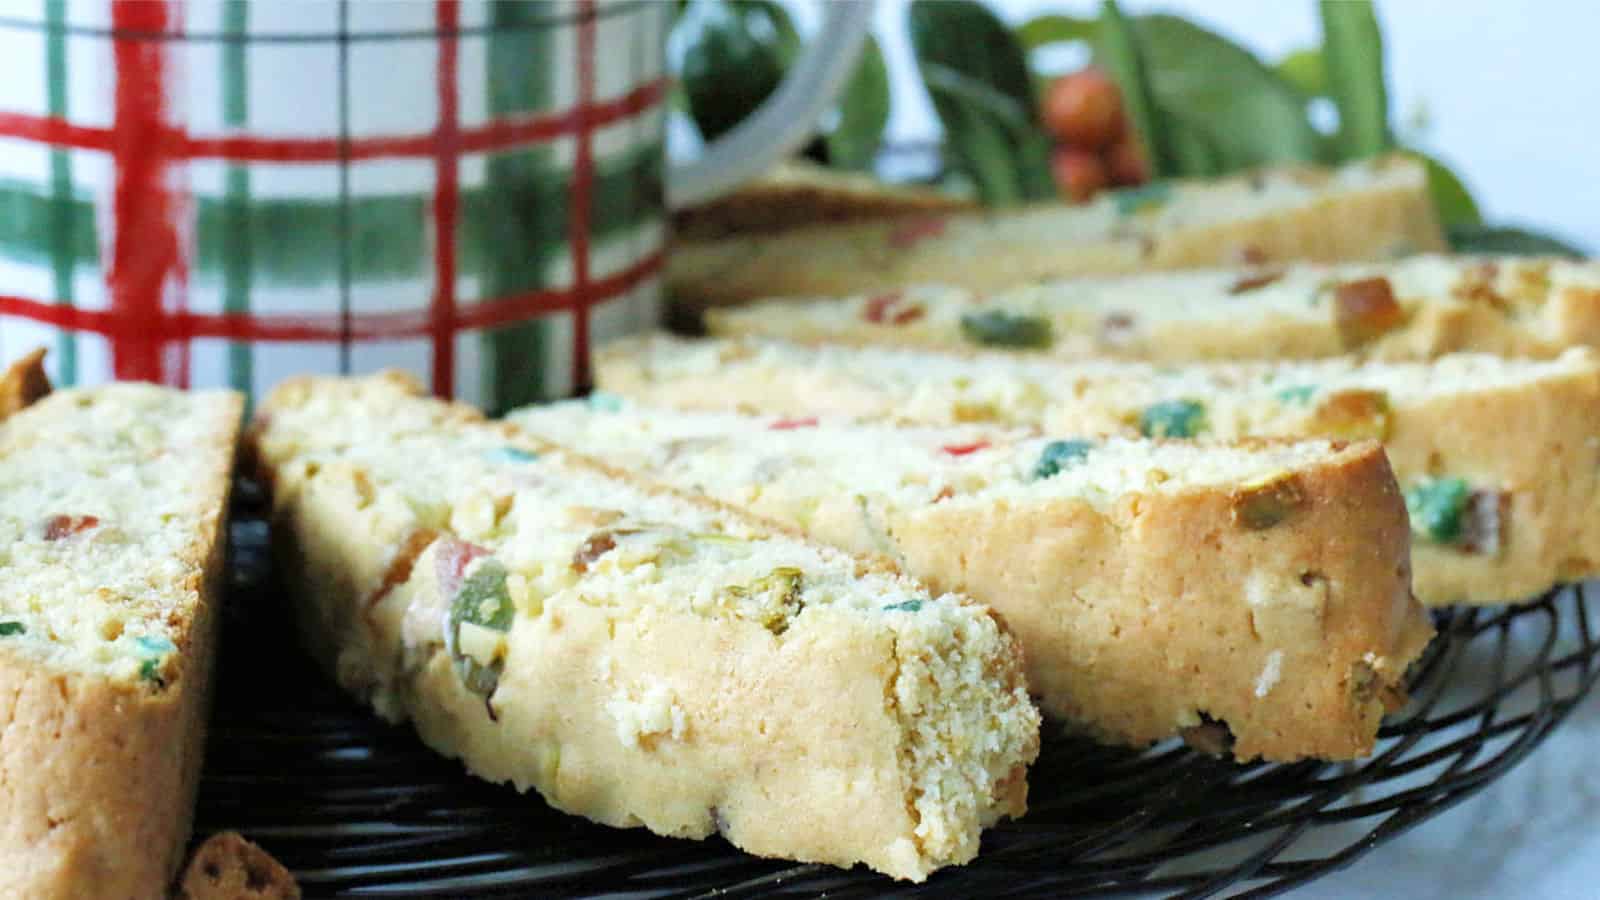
358	808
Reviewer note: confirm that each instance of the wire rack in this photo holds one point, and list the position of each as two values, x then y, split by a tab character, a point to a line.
357	808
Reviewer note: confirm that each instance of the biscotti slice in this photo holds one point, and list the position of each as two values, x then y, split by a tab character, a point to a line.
638	656
112	503
1289	627
229	867
1499	459
799	192
1377	209
1418	308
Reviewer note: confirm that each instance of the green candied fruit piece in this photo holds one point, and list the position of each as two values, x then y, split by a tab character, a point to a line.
7	629
1173	418
997	328
154	650
909	606
510	455
1149	197
603	401
1436	507
1299	395
782	587
1058	455
482	600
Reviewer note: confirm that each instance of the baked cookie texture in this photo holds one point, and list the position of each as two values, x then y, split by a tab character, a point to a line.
638	656
229	867
1378	209
1417	308
1498	459
799	192
112	503
1157	587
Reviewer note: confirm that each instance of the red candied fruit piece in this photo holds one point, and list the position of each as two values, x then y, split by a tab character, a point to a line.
964	449
58	527
792	424
913	231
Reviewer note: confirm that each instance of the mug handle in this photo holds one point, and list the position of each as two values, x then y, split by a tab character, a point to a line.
784	120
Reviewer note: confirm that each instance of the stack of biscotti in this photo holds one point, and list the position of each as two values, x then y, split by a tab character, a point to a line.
638	656
1157	588
1417	308
112	504
1377	209
1499	458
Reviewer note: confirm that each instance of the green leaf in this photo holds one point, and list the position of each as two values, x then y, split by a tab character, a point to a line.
1123	58
1236	112
863	112
1451	199
1304	71
977	76
734	57
1053	28
1193	149
1352	50
1512	241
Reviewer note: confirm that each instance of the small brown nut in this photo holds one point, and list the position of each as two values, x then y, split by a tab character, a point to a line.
1353	414
1365	309
1267	501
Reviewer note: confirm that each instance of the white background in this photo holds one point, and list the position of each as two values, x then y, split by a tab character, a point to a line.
1512	89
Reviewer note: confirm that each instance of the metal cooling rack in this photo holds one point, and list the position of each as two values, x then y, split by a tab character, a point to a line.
357	808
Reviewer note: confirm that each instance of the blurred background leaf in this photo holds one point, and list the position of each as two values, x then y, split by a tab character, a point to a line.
1352	53
863	112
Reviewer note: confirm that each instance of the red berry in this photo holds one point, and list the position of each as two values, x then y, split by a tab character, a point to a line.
1126	163
1084	109
1079	174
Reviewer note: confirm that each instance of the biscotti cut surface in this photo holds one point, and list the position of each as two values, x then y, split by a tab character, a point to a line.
1291	627
638	656
1498	458
1418	308
1378	209
111	505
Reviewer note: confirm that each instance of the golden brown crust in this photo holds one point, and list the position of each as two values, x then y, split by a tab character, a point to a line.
23	383
980	251
97	778
798	193
228	867
1141	616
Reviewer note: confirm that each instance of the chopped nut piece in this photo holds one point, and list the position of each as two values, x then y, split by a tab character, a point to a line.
1484	522
1365	309
1268	501
889	309
1353	414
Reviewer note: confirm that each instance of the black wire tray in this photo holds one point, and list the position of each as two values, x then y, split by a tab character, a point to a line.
355	807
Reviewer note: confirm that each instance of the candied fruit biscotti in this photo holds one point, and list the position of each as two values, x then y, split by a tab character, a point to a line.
1377	209
1154	585
1499	459
112	503
1418	308
638	656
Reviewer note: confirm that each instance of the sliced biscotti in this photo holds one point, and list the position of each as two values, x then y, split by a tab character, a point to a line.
1499	458
1154	585
1416	308
638	656
1372	210
112	503
799	192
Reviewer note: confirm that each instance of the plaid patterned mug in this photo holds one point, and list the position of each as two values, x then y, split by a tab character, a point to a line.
228	192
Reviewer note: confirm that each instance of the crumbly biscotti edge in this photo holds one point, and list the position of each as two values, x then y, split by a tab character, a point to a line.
1141	616
321	555
98	780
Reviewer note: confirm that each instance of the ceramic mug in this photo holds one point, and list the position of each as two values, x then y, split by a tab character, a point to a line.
229	192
